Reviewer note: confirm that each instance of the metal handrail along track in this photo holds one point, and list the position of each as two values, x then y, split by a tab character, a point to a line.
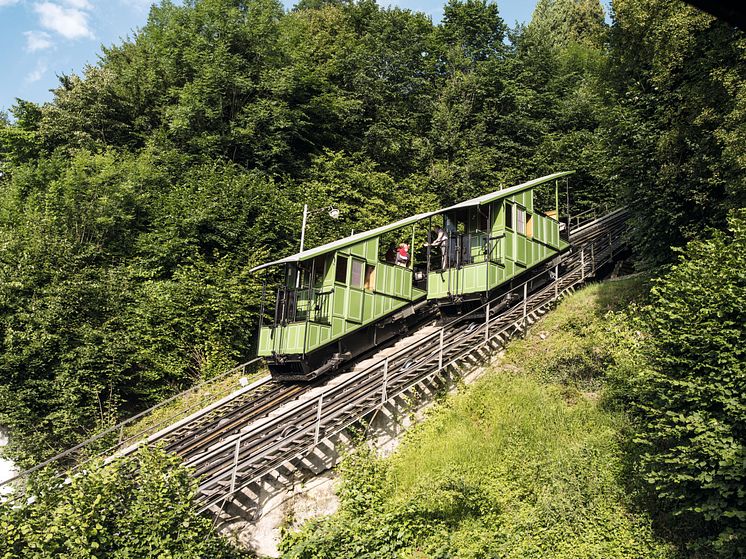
247	434
245	457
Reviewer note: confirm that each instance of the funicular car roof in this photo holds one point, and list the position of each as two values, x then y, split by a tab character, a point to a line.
365	235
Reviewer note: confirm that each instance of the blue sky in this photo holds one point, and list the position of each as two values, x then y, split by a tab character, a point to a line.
40	39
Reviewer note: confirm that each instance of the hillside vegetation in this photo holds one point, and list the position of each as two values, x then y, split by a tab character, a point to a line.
134	203
614	429
525	463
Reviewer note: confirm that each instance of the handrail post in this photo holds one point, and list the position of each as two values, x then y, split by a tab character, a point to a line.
593	259
384	395
556	281
582	264
487	323
525	304
440	350
235	465
318	421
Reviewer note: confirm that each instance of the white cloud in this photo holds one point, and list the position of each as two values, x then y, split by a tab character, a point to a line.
7	2
71	22
37	40
38	72
78	4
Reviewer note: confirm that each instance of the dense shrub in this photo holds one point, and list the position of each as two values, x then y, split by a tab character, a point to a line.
682	373
506	469
129	509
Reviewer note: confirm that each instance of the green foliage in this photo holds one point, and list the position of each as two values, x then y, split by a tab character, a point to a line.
133	204
523	463
141	507
119	288
682	375
507	469
678	73
570	346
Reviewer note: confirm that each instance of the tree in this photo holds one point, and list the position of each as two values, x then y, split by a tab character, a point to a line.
676	71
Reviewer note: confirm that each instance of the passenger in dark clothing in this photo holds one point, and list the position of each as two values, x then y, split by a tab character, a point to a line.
440	241
391	254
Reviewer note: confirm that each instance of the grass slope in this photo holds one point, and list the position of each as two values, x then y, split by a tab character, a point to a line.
524	463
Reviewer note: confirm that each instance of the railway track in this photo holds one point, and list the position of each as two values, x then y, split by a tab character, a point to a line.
252	445
248	434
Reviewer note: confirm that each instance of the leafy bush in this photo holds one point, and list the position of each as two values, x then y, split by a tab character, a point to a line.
129	509
682	373
505	469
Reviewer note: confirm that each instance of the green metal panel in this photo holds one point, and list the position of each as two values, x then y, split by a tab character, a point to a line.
403	282
338	327
509	245
437	284
319	335
473	278
371	252
265	341
520	248
477	247
329	276
368	307
378	305
292	338
354	304
358	250
498	217
339	300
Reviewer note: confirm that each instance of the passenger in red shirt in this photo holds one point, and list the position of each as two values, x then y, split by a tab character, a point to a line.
402	255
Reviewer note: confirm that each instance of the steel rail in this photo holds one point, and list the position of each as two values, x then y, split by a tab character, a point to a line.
211	439
268	447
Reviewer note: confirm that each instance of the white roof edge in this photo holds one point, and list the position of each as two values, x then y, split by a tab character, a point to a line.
363	235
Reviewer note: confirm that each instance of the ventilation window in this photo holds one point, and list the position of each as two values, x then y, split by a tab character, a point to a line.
509	216
520	220
356	276
340	273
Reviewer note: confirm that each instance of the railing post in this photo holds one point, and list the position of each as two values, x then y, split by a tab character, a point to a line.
487	323
235	465
593	259
525	304
318	421
384	395
582	264
556	281
440	350
611	247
